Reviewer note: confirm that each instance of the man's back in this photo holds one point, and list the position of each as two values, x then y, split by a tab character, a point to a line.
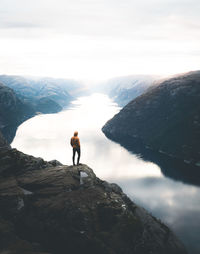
75	142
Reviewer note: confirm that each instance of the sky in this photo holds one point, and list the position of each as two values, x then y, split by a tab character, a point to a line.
99	39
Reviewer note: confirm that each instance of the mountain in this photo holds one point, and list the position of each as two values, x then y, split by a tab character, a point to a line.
165	119
46	105
46	207
125	89
21	98
33	89
12	112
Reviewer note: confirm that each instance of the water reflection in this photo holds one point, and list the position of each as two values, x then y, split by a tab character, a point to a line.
48	136
175	203
170	167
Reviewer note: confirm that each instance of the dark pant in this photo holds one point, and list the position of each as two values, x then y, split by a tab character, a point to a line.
78	150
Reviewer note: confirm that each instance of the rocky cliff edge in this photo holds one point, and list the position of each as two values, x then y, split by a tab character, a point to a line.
46	207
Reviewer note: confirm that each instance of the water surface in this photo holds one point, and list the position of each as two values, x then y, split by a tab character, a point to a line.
48	136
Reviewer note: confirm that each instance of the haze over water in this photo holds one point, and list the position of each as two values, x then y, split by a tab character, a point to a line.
48	136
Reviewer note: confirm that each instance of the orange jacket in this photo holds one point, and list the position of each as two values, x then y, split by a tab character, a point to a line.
75	142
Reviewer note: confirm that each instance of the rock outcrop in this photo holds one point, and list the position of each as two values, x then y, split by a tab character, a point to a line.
46	207
165	119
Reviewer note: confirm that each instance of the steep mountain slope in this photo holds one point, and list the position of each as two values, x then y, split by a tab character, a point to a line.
165	119
125	89
46	207
46	105
12	112
3	142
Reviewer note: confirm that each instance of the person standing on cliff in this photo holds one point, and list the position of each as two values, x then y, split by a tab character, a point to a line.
75	143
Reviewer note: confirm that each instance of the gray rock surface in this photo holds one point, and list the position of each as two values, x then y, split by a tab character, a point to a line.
67	209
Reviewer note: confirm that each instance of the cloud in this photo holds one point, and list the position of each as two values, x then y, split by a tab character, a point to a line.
107	35
99	17
17	25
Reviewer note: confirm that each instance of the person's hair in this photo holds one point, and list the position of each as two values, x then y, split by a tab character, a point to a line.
76	133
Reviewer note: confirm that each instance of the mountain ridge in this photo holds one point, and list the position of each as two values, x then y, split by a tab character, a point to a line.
124	89
22	98
166	118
